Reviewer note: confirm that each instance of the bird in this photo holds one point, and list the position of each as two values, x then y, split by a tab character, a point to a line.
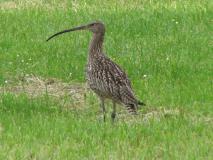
105	77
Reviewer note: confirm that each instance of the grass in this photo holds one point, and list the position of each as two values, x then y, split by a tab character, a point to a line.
164	46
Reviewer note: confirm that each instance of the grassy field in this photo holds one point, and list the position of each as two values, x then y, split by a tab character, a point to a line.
164	46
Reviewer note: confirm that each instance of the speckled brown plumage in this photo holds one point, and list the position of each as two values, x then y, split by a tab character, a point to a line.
104	76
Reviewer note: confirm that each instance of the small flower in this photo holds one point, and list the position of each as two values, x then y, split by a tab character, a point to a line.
144	76
5	81
176	22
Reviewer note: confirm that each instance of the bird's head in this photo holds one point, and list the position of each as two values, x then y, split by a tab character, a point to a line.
95	27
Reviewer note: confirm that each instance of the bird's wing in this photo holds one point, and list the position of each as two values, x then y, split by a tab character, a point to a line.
118	81
117	72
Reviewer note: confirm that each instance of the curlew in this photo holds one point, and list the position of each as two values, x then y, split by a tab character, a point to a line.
105	77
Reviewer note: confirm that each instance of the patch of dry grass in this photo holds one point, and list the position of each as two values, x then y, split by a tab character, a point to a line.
34	86
22	4
160	113
156	114
8	5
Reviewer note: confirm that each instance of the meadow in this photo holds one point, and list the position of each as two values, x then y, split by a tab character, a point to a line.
47	112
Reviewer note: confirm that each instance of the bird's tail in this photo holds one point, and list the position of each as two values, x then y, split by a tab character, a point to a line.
141	103
133	107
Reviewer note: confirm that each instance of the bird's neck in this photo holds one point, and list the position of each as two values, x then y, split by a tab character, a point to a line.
96	44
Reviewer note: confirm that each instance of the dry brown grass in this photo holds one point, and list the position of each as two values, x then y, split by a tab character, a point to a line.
34	86
8	5
159	113
22	4
149	114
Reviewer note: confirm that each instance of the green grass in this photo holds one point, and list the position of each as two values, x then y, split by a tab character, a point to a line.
168	41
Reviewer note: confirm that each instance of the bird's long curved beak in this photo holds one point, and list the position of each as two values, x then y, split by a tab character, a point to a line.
69	30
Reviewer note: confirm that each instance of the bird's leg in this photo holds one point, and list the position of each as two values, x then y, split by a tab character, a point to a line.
113	111
103	108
